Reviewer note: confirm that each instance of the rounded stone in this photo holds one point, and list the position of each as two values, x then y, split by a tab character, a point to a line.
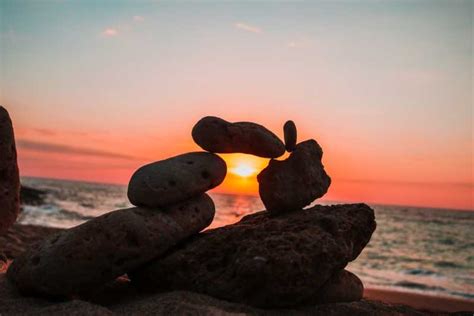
176	179
289	130
343	286
9	175
294	183
88	256
217	135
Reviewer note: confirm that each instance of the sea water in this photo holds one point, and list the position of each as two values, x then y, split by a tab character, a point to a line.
413	249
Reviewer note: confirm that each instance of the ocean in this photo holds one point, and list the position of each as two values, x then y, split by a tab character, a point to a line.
424	250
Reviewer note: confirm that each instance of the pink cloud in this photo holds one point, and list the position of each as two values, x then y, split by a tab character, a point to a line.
110	32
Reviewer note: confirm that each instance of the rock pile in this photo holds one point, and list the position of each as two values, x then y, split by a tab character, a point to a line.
171	206
281	257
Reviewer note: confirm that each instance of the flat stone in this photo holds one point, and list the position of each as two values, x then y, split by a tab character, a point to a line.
9	175
264	260
295	182
219	136
342	286
289	130
176	179
87	256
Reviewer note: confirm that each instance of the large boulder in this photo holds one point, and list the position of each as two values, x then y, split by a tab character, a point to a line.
267	261
9	175
82	258
219	136
176	179
295	182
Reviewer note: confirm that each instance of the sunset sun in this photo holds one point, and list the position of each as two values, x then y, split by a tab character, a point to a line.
244	169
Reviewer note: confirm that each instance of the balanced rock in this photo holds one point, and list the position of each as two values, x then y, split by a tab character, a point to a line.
289	130
9	175
343	286
176	179
217	135
263	260
295	182
89	255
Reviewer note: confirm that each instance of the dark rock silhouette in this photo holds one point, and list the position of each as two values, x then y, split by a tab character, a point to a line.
176	179
290	133
343	286
295	182
268	261
219	136
9	175
122	299
89	255
31	196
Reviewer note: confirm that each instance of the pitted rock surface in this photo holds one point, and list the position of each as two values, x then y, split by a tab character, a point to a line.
295	182
176	179
89	255
263	260
219	136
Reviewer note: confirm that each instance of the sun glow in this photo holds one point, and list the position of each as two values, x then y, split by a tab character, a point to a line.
243	170
242	173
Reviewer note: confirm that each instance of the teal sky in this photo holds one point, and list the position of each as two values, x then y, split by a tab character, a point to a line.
385	86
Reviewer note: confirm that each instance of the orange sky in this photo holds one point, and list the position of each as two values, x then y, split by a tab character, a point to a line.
95	91
113	158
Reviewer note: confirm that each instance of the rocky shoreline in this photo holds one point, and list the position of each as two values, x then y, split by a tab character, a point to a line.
158	258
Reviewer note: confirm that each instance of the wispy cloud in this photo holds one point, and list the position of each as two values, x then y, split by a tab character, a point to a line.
138	18
110	32
65	149
248	27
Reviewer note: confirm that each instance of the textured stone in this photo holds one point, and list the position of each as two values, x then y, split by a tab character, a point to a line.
9	175
265	260
343	286
295	182
289	130
89	255
176	179
217	135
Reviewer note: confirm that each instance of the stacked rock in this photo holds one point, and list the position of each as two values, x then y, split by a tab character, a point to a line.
281	257
171	206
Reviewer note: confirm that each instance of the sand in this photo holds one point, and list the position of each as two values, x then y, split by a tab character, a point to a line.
419	301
